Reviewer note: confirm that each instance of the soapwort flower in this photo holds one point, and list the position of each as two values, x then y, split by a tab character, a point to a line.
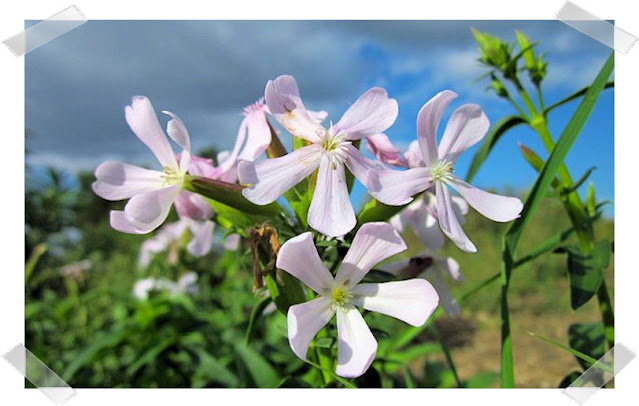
151	193
411	301
330	150
200	244
433	168
187	284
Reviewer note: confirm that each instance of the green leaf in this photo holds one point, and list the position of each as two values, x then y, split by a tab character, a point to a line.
101	342
591	202
210	369
574	96
414	352
590	360
293	382
589	339
544	180
255	315
376	211
262	373
150	355
524	44
29	267
233	219
579	182
489	143
483	380
325	342
558	154
333	375
536	162
569	379
585	272
284	289
228	194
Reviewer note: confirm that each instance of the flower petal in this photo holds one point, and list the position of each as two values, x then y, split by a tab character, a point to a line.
271	178
178	133
331	212
380	146
466	127
446	297
147	211
413	156
305	320
143	121
371	114
412	301
298	256
117	181
448	219
495	207
425	226
202	238
258	136
373	243
189	205
450	267
120	221
285	104
395	187
428	120
232	242
356	347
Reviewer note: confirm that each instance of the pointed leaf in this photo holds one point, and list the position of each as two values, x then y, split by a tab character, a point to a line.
588	338
586	272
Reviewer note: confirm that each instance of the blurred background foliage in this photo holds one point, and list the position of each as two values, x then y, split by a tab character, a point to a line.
83	320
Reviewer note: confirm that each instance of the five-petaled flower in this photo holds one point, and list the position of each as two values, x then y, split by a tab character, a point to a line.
151	192
331	211
432	166
411	301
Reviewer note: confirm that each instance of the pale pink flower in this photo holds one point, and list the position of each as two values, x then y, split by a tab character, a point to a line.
420	217
199	245
435	269
380	146
330	150
433	167
187	284
194	206
411	301
151	193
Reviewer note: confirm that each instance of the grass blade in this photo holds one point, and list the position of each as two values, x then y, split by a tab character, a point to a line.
544	180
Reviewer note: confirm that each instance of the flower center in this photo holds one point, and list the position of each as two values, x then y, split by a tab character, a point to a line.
334	145
172	176
341	295
442	171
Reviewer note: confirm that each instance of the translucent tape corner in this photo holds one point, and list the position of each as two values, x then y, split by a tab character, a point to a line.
45	31
599	374
596	28
40	375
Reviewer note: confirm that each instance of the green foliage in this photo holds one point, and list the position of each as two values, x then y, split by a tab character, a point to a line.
586	271
589	339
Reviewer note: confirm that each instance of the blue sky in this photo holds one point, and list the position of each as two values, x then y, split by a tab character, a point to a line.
206	71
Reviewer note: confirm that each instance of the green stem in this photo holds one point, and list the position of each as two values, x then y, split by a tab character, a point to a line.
607	314
540	98
447	354
579	217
